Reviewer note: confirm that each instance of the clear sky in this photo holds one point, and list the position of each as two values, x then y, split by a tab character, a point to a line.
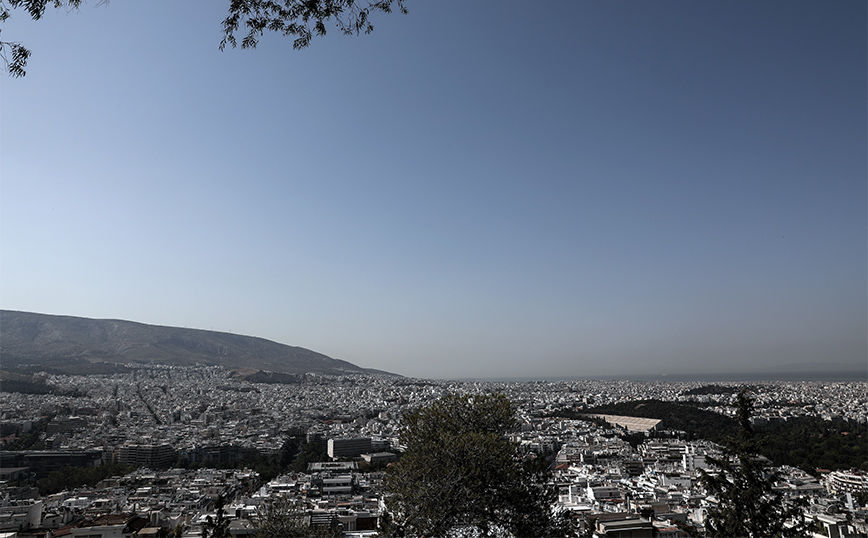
486	188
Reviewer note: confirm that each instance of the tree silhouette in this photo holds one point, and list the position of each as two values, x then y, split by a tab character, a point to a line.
300	19
747	505
217	527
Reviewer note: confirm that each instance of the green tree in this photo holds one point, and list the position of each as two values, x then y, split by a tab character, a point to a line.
461	474
300	19
310	452
747	505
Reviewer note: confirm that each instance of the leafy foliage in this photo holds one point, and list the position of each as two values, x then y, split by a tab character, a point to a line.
747	505
295	454
460	473
74	477
19	54
31	440
811	443
309	452
26	441
301	19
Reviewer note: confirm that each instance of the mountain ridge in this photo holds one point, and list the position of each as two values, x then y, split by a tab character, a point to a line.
29	340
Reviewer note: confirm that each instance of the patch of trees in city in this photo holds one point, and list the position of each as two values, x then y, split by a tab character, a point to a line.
748	503
25	441
295	455
27	384
14	438
718	390
62	364
24	384
697	423
808	443
70	478
307	451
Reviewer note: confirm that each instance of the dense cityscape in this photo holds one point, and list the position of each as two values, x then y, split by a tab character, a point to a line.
443	269
187	442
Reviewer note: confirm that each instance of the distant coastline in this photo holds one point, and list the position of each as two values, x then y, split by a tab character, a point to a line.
846	375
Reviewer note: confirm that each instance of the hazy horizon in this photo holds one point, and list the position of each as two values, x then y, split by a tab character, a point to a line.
474	190
817	371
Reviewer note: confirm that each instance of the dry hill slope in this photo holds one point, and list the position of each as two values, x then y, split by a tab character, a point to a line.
32	341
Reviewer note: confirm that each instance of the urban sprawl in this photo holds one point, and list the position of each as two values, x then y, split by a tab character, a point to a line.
186	430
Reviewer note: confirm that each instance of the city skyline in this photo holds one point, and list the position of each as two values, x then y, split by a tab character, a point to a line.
472	190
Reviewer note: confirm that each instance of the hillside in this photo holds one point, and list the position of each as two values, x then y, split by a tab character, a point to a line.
30	341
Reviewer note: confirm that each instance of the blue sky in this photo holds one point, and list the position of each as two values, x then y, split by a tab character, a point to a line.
476	189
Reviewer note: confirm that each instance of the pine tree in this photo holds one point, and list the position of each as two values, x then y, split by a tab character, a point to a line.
747	505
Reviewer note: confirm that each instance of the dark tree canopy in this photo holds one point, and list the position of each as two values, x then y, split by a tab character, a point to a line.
300	19
460	473
748	506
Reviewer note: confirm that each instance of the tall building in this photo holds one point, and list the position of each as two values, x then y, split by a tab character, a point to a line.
349	448
153	456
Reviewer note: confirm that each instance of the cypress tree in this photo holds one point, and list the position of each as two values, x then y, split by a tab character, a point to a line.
747	505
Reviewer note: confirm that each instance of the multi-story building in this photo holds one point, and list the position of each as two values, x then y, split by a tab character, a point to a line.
153	456
852	481
349	448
